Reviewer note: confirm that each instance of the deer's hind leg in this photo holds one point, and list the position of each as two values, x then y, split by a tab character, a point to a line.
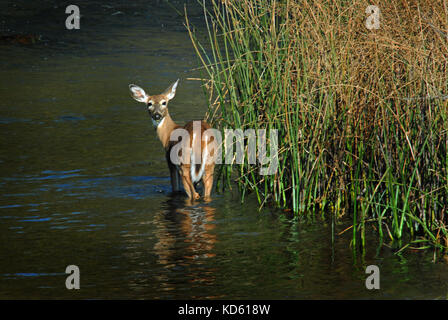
188	184
207	179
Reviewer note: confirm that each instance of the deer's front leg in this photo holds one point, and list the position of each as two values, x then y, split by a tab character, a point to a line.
175	181
174	175
179	180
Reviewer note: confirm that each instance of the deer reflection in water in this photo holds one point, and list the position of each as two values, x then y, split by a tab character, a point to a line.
185	239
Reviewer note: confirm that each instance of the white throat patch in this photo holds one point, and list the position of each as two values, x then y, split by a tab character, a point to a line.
157	123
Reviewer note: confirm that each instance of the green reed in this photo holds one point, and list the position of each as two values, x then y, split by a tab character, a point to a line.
361	114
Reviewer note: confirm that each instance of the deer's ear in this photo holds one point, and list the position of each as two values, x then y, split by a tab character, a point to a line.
138	93
171	91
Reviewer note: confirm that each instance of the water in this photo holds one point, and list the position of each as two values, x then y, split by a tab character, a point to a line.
83	179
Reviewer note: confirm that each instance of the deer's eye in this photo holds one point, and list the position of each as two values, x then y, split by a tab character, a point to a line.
164	103
149	104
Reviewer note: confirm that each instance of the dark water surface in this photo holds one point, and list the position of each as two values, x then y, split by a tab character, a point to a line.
83	178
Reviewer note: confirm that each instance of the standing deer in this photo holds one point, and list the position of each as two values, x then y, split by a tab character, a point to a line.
190	172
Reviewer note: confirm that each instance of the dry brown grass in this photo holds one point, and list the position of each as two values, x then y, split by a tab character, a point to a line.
361	114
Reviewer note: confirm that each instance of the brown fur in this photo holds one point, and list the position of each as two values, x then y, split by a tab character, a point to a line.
158	106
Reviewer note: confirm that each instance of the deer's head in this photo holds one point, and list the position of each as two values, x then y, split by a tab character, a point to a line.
157	104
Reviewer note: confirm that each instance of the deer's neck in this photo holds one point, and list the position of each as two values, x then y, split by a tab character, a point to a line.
164	130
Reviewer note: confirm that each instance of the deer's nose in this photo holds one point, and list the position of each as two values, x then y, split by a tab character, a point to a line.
156	116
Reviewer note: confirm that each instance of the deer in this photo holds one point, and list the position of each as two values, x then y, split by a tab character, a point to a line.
189	172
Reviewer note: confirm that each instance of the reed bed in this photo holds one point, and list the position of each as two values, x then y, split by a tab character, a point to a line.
361	114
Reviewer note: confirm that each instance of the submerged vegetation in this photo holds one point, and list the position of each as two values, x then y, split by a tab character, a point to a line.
362	115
